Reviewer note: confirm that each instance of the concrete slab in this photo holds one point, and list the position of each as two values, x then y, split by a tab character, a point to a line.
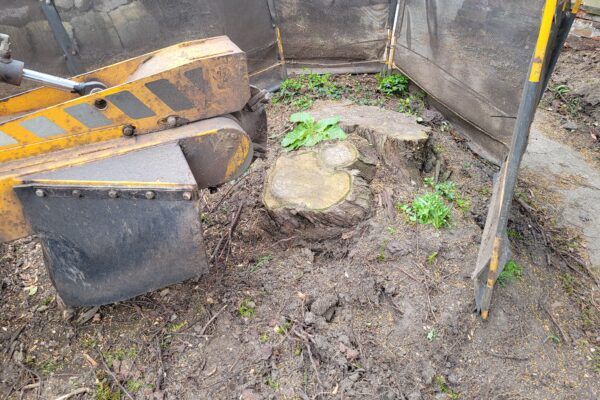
581	202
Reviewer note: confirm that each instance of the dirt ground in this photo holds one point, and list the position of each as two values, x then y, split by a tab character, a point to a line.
384	312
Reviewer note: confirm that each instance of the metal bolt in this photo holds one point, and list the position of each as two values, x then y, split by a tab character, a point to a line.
187	195
128	130
150	195
76	193
172	121
40	193
112	194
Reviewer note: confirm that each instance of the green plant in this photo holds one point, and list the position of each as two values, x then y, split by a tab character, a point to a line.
443	387
560	89
449	192
411	105
303	102
298	350
134	386
49	366
571	104
514	235
308	132
119	354
596	361
555	338
264	337
432	334
272	383
288	89
511	272
432	257
283	328
309	86
394	84
262	261
105	392
89	343
246	309
428	209
381	255
176	326
568	282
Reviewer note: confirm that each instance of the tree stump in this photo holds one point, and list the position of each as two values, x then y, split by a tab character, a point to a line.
321	191
400	142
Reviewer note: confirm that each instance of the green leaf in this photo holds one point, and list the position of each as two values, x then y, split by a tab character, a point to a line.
335	132
293	136
302	117
327	122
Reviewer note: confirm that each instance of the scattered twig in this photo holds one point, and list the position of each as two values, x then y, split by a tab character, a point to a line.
411	276
564	335
234	224
86	316
114	377
31	386
9	349
160	375
225	241
35	374
312	361
74	393
562	254
507	357
210	321
282	240
213	208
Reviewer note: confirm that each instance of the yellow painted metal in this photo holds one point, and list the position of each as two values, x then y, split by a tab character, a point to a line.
12	222
222	88
542	41
576	6
494	263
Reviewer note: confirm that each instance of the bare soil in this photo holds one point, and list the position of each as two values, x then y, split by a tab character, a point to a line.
384	312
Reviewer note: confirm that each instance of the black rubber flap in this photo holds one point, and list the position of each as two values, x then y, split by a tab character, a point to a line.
106	243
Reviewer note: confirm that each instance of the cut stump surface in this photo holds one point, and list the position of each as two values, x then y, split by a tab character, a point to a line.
321	190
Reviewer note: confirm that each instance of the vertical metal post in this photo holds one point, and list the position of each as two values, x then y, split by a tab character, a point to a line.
494	240
62	37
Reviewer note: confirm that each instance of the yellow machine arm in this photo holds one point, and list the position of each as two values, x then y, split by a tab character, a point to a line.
109	180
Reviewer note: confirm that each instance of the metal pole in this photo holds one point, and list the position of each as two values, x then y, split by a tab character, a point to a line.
484	283
50	80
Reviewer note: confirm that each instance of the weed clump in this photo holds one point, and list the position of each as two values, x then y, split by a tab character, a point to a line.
246	309
309	132
428	209
512	272
302	90
432	208
449	191
392	85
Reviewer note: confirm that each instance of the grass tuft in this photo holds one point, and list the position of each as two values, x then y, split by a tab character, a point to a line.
512	272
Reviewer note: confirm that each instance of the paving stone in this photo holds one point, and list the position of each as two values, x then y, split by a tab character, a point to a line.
108	5
135	25
64	4
95	33
15	16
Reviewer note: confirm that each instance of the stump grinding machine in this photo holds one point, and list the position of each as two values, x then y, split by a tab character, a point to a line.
106	168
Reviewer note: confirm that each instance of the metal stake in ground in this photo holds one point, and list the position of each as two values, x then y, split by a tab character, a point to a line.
494	251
